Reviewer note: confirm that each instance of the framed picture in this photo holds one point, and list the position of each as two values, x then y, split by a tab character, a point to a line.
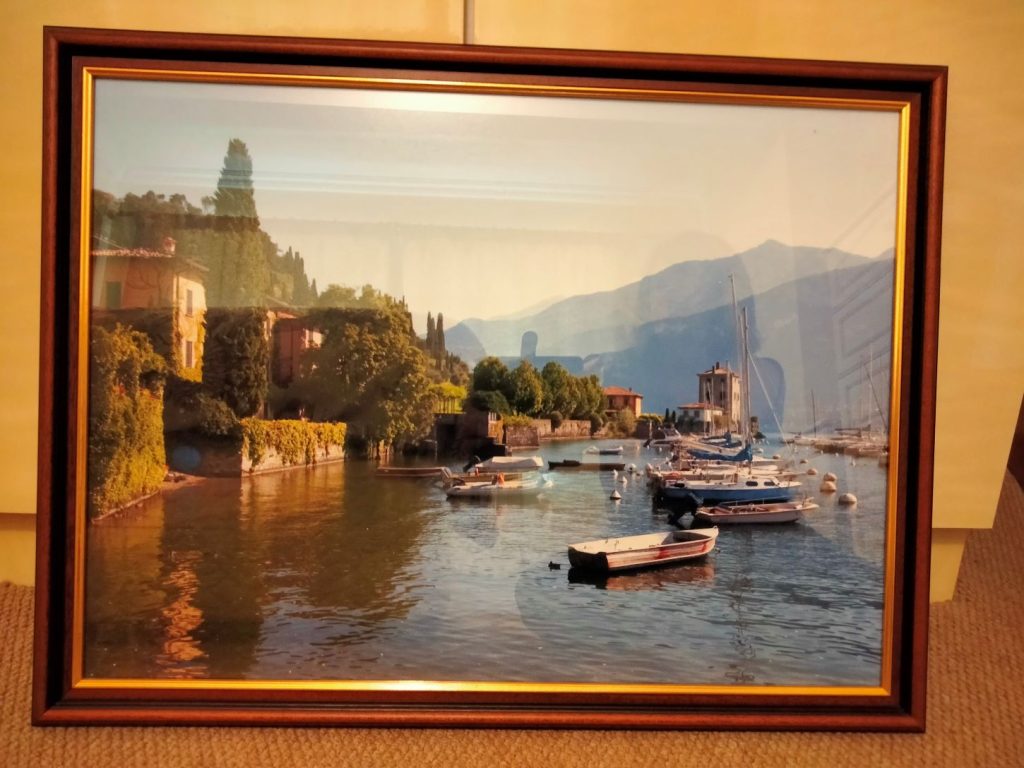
426	385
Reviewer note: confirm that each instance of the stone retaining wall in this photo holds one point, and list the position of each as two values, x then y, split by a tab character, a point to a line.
211	458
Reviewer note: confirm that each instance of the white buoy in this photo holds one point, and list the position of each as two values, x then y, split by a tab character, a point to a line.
615	496
804	461
827	486
622	479
829	476
848	499
812	471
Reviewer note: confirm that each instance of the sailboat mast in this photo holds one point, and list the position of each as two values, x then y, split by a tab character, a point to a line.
878	404
814	415
745	381
739	350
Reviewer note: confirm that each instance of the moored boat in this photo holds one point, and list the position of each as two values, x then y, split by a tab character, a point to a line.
509	464
409	472
742	489
606	466
497	487
616	451
777	512
644	551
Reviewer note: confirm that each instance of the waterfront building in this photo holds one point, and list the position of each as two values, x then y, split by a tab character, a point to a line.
290	337
157	292
700	417
619	398
719	386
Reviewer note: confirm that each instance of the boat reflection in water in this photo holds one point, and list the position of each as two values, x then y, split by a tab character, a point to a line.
650	580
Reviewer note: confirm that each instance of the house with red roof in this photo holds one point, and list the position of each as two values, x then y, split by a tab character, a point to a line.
619	398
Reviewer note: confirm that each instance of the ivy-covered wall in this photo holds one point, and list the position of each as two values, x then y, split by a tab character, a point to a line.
126	435
290	442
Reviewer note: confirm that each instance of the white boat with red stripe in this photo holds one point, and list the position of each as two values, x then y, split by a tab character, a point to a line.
647	550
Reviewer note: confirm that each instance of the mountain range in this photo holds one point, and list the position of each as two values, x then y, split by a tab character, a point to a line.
607	321
819	319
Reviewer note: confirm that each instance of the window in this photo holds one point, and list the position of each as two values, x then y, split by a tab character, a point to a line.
189	353
113	295
189	305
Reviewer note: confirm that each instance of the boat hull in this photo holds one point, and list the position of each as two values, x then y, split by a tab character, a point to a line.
710	494
603	466
391	471
493	490
753	513
627	553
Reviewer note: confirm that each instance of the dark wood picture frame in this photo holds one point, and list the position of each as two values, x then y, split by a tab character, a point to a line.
60	698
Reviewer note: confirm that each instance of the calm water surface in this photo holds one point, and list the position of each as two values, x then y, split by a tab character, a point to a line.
332	573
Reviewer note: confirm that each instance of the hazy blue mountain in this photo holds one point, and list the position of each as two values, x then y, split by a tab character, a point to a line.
609	321
819	332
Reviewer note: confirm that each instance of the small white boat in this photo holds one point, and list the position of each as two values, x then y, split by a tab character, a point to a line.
644	551
497	487
616	451
509	464
780	512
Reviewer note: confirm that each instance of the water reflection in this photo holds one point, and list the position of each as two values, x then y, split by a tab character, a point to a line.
655	579
334	573
182	651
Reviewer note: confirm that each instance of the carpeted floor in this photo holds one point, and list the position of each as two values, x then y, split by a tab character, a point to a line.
975	706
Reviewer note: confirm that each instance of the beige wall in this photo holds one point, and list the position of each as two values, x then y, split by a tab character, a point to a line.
982	313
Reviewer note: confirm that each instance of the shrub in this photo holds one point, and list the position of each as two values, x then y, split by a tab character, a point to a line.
596	422
623	423
517	420
556	419
189	408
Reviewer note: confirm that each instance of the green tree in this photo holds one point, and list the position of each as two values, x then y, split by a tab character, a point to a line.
590	397
430	341
527	390
490	400
235	196
623	423
490	374
439	349
559	389
369	373
237	356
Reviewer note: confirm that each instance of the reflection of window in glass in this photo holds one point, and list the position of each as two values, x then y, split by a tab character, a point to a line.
188	302
189	353
113	295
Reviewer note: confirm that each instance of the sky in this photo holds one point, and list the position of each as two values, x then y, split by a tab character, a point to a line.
485	205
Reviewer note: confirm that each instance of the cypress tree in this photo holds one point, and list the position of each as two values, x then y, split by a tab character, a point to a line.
235	197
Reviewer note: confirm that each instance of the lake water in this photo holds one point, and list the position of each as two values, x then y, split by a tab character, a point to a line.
333	573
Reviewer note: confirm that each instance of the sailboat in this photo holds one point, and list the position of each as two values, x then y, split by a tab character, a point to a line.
744	486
